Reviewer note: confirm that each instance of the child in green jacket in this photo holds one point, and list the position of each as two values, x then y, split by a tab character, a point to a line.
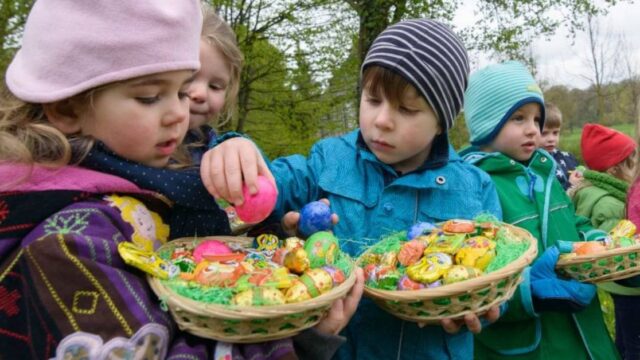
601	196
548	317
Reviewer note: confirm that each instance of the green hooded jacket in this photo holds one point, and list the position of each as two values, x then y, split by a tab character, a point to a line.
603	201
532	198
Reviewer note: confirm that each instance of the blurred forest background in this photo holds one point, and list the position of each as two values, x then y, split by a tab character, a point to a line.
302	57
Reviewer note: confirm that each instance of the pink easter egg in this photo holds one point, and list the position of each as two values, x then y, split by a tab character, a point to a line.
256	208
210	247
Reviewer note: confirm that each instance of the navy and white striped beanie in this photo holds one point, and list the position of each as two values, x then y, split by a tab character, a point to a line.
430	57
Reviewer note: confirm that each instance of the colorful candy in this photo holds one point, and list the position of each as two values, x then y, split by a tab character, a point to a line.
459	273
430	268
322	248
258	296
210	248
314	217
420	228
410	252
257	207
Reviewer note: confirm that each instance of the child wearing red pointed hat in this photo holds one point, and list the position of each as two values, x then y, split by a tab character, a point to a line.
601	196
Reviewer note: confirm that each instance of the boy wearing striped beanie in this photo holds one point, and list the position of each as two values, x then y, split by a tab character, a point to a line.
554	318
397	169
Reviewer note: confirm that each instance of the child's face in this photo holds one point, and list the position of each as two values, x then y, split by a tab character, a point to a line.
143	120
520	135
550	138
208	89
400	135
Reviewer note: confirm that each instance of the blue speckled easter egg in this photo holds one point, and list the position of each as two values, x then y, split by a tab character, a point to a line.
418	229
314	217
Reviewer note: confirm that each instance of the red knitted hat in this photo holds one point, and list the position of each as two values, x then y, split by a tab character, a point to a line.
603	147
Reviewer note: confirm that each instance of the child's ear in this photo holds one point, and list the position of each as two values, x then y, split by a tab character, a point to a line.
62	115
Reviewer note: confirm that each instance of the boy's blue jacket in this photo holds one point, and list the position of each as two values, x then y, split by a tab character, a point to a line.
372	201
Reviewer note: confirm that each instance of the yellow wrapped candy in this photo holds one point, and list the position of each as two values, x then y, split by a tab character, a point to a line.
430	268
258	296
295	259
624	228
460	273
477	251
446	243
311	284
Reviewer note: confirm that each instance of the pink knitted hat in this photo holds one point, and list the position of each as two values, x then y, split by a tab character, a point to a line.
70	46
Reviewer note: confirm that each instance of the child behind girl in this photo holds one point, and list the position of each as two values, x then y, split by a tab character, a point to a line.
214	88
550	139
547	318
601	196
98	99
395	170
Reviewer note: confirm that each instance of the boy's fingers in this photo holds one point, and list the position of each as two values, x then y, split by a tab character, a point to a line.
473	323
493	314
355	294
450	326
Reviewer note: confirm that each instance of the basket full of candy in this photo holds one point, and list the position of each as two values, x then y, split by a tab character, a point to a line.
230	289
613	258
433	272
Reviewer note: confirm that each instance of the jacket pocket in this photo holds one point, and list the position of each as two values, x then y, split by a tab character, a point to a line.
441	205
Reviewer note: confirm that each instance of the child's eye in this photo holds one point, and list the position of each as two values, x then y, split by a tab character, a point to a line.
408	111
183	95
147	100
517	118
216	87
372	100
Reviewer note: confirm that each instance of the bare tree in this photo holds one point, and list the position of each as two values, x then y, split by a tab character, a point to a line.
603	61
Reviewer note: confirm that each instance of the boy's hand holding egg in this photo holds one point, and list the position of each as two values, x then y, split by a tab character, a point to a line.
313	217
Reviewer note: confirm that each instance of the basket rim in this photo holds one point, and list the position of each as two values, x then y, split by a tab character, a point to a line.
465	286
233	312
580	259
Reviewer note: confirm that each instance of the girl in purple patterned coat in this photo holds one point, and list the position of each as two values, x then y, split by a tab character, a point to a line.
91	155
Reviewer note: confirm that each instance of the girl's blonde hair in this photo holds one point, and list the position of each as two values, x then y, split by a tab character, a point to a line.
216	32
27	136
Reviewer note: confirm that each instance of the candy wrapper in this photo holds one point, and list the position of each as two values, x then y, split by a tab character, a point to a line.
312	283
322	248
147	261
446	243
258	297
624	228
430	268
459	273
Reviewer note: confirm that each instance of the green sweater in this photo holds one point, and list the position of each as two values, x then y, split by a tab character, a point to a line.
532	198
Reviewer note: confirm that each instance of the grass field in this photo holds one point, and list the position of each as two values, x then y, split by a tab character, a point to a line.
570	141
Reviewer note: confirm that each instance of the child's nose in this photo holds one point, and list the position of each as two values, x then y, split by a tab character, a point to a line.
384	117
177	112
197	92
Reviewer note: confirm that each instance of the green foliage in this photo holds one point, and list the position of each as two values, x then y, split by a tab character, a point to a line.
13	14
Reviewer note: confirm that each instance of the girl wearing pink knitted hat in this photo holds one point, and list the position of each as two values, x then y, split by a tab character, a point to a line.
91	156
602	197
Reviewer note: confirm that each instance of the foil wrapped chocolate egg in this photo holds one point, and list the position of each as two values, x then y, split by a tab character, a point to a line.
405	283
411	252
296	260
258	296
430	268
337	275
421	228
312	283
322	249
459	273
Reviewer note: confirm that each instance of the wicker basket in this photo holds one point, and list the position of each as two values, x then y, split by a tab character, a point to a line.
245	324
608	265
453	301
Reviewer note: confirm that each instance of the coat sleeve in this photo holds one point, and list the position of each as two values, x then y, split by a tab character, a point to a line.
607	212
77	294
